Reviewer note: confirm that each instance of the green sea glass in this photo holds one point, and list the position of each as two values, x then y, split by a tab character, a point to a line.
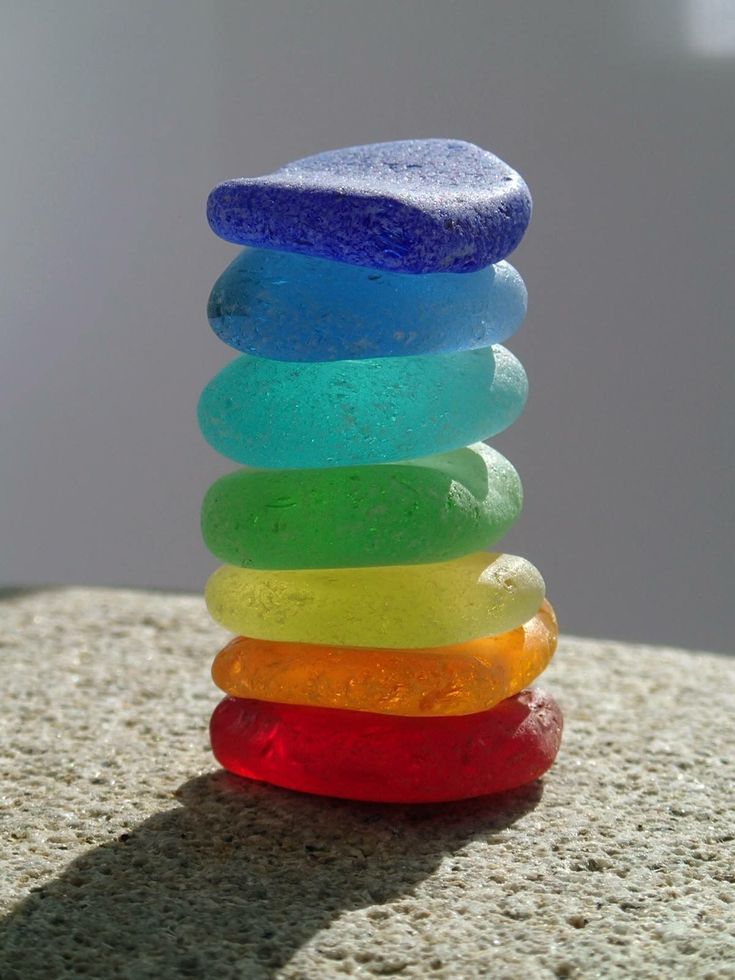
422	510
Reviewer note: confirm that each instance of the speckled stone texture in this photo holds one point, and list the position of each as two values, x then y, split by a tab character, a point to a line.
126	854
412	206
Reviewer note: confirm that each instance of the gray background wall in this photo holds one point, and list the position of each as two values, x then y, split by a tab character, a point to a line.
118	118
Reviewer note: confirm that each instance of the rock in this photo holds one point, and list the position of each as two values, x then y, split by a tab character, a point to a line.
414	206
300	308
386	606
450	680
287	415
422	510
387	758
125	846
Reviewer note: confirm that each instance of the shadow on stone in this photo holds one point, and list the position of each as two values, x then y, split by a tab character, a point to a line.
10	592
234	881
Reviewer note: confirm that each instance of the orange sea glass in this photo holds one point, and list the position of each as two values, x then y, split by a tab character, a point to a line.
452	680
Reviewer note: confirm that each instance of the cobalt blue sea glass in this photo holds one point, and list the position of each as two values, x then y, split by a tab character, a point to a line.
299	308
412	206
288	415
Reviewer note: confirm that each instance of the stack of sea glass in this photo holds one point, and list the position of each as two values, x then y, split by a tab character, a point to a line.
381	653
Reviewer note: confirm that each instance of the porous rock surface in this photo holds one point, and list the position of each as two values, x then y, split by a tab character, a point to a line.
126	853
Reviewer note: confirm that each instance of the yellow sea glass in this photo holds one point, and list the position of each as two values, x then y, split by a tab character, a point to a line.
428	605
452	680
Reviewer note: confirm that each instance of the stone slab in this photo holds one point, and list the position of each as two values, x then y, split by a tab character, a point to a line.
125	853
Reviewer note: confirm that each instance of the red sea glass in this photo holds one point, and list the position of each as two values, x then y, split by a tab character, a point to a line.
388	758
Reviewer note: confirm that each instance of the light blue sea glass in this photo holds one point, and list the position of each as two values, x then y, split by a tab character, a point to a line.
298	308
287	415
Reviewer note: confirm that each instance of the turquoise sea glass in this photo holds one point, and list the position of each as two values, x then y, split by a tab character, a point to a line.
299	308
289	415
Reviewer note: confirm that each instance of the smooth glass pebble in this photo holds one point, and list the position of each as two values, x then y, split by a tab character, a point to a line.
424	510
385	606
299	308
388	758
287	415
414	206
452	680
